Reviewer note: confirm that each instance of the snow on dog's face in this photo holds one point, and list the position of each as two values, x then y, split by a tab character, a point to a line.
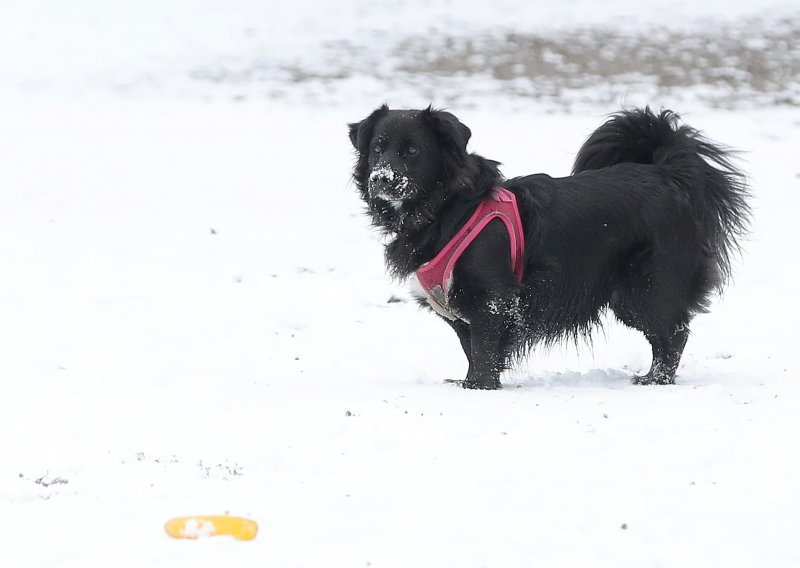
403	156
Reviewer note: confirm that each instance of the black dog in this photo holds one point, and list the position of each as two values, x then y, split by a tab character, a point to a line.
645	226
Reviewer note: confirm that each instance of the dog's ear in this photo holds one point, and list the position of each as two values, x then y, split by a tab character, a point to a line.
354	133
451	132
361	132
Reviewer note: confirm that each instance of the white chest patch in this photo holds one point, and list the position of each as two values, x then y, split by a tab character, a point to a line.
436	299
416	288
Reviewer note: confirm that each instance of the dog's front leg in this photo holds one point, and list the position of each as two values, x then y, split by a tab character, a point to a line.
489	351
465	337
485	295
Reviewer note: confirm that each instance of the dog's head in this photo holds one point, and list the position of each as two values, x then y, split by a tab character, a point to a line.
405	159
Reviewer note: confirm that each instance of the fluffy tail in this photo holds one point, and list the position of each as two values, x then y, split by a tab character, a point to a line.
715	187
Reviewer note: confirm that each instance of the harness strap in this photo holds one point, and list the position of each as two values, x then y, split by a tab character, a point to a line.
436	276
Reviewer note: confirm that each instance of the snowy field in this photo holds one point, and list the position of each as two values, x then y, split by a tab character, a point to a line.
196	318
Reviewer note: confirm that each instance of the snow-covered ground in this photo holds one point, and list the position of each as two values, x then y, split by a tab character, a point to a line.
196	319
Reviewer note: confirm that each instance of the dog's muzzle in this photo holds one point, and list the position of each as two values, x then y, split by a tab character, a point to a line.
387	184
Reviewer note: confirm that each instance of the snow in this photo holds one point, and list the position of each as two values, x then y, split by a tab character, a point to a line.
380	172
196	315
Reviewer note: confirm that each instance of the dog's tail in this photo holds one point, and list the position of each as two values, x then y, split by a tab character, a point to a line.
715	187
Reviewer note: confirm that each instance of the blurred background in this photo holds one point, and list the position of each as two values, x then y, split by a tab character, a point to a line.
725	53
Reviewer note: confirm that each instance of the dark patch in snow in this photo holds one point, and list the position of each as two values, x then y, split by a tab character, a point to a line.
46	480
220	471
754	62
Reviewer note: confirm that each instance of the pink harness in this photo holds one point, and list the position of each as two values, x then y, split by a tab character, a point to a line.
436	276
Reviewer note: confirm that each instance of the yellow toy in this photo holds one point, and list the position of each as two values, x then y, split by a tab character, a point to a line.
211	525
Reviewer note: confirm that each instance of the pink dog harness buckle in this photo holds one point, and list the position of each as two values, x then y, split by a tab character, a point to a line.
436	276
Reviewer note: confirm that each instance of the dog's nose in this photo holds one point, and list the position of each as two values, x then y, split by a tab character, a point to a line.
381	179
382	174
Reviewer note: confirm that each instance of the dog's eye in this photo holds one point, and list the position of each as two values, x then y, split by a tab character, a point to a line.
412	150
378	149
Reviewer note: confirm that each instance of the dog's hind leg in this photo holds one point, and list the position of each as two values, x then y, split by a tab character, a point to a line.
666	339
658	293
667	351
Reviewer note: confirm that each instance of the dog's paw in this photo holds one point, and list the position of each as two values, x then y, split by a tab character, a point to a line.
650	379
481	385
